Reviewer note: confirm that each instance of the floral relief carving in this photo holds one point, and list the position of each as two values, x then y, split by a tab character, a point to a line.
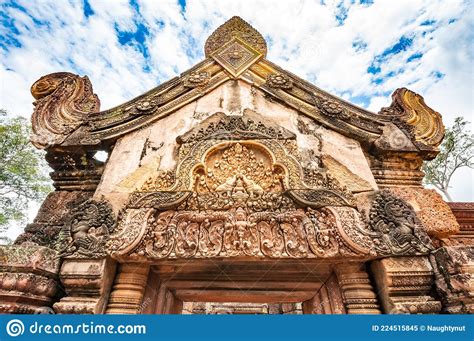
333	109
146	105
238	190
235	27
279	80
234	197
164	180
196	79
237	232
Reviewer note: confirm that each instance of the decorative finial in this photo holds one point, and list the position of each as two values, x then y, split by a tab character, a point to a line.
411	109
235	27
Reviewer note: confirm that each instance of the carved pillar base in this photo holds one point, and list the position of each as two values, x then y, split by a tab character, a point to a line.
28	279
128	289
405	285
454	272
357	292
87	283
328	300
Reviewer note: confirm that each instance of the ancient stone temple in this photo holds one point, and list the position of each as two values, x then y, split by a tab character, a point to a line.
237	188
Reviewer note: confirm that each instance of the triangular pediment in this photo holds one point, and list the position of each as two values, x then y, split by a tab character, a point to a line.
235	51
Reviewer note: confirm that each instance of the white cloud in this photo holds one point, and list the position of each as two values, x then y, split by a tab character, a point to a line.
304	37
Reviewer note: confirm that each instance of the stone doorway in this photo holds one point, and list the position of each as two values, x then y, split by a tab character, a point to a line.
231	308
241	287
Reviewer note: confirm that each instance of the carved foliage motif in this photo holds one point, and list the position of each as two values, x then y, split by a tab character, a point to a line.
251	197
248	126
235	27
398	230
88	230
64	101
297	233
28	279
241	172
239	169
231	196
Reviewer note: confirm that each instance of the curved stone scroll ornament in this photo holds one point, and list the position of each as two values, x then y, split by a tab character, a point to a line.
63	103
88	230
412	115
396	226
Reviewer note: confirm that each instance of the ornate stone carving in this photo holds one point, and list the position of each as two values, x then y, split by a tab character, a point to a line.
88	229
236	56
145	106
235	27
164	180
238	232
87	283
222	127
258	172
397	170
64	101
432	211
333	109
128	289
358	293
464	215
232	198
28	279
412	115
405	285
396	226
51	219
279	80
453	268
196	79
328	300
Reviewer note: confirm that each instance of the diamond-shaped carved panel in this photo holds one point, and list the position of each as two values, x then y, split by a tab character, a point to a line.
236	56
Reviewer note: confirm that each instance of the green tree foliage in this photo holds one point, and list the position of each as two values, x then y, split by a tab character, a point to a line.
23	176
456	151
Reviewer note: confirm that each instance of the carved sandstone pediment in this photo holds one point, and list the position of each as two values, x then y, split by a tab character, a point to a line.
67	112
239	189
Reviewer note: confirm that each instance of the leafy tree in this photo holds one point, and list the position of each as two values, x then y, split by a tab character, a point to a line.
456	151
22	171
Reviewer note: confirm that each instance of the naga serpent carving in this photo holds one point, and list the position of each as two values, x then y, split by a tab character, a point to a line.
63	103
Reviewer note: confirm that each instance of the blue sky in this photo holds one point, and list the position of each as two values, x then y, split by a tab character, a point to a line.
359	50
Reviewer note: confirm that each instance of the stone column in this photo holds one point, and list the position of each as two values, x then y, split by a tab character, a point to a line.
454	273
405	285
87	283
328	300
357	292
128	289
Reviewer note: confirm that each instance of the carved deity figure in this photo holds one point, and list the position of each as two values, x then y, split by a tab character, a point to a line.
90	225
398	225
